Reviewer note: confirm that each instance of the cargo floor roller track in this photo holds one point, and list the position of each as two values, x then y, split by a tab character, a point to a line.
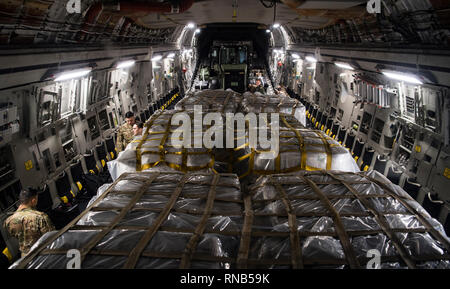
304	220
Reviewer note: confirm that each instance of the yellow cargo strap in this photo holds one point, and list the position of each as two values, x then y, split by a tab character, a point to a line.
80	186
328	132
366	168
321	128
72	193
112	155
103	163
98	169
92	172
334	136
65	199
356	158
7	254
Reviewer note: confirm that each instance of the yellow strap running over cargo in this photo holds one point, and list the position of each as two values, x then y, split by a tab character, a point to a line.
300	142
138	148
327	149
79	185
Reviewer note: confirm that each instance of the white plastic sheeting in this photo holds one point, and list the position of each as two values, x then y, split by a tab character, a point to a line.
224	101
284	104
270	243
300	149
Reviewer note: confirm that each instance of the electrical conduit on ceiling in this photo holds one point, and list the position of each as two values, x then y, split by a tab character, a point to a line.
134	8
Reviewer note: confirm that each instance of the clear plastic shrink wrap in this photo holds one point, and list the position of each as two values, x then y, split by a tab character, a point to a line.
284	104
223	101
155	148
303	220
154	215
299	149
335	218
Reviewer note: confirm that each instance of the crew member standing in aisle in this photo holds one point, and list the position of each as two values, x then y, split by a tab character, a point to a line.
27	224
125	133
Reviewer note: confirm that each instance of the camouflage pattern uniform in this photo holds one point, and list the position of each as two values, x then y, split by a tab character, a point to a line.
28	225
124	137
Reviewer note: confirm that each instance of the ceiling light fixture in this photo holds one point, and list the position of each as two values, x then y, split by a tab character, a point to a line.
344	65
73	74
295	56
311	59
276	25
191	25
402	76
125	64
157	57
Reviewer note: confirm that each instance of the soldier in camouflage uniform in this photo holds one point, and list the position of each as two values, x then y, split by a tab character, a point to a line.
27	224
125	133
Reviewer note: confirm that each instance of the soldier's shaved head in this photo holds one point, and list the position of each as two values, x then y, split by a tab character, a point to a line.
27	196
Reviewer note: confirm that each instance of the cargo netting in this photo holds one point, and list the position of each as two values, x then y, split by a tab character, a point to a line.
299	149
317	219
259	103
223	101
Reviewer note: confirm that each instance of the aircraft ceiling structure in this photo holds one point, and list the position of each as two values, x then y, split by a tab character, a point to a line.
346	22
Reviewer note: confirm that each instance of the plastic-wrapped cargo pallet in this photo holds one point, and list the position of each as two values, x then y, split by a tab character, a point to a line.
299	149
258	103
151	220
155	148
217	100
304	220
333	219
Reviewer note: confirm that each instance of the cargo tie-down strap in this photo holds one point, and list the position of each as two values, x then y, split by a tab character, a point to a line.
212	100
267	104
155	144
220	227
306	146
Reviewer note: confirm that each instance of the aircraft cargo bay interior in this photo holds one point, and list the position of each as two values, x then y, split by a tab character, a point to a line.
211	134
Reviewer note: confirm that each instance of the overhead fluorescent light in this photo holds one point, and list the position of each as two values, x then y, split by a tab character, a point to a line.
191	25
311	67
344	65
197	30
73	74
276	25
268	31
157	57
170	55
311	59
125	64
402	76
295	55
